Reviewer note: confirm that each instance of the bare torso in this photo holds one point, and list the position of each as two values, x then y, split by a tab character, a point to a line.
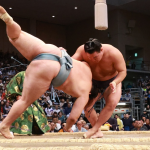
104	70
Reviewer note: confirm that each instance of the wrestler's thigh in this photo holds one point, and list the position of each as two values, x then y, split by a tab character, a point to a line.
113	98
35	84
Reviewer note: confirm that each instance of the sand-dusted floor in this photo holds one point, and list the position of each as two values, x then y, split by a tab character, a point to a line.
74	141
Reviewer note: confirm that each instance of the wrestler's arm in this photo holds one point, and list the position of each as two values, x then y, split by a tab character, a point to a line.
119	65
76	111
79	53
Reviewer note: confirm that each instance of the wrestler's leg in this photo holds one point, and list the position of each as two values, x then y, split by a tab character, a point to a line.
91	115
35	84
89	111
112	100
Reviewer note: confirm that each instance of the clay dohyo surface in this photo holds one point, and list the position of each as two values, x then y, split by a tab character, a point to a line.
111	140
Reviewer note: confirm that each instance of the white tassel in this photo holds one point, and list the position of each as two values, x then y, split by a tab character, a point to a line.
101	18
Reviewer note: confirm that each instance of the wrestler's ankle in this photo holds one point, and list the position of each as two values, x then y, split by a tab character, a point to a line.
7	18
4	126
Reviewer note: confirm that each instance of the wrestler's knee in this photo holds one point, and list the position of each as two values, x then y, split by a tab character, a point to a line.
86	112
73	119
112	105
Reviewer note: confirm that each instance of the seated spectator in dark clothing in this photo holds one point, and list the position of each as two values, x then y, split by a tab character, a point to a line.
133	65
138	127
61	117
113	124
147	123
124	116
144	119
133	124
68	109
148	97
2	109
66	104
143	125
55	114
127	122
53	127
144	114
129	86
7	108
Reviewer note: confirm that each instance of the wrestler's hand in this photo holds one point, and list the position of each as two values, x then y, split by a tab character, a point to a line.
113	86
61	48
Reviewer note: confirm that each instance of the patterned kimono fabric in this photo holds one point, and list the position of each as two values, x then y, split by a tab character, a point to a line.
33	120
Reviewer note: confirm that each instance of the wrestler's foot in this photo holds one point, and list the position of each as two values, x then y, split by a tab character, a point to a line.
98	134
88	134
2	11
5	16
6	132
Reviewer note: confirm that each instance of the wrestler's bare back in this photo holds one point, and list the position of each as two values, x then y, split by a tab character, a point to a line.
105	69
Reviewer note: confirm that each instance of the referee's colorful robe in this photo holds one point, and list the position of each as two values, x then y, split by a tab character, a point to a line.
33	120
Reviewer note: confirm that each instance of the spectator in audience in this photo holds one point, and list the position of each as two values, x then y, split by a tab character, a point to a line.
63	128
128	86
61	117
59	122
127	122
86	126
79	127
144	114
63	125
113	124
143	125
49	111
44	102
56	109
138	126
147	123
133	124
148	98
55	114
147	109
62	102
124	116
127	95
7	107
83	123
80	118
119	122
2	109
66	104
53	127
68	109
48	99
144	119
133	65
55	120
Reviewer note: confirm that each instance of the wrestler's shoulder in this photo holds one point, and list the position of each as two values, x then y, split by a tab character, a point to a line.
113	51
